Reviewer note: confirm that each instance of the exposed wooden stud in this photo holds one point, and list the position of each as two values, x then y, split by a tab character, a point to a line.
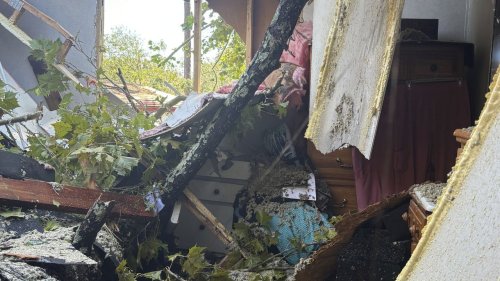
44	195
197	47
45	18
249	31
61	55
99	37
26	40
16	15
16	31
206	217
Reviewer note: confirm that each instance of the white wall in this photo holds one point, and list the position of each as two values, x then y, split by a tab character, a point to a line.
322	21
76	16
479	30
451	15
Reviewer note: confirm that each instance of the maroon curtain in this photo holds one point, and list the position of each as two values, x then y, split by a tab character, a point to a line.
414	141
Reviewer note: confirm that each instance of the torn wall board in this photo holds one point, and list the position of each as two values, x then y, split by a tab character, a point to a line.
354	74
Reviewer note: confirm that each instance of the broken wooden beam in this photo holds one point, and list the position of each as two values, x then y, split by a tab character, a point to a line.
26	40
44	17
16	15
87	230
206	217
64	198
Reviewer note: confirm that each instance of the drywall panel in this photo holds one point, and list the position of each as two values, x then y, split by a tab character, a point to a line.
78	17
461	241
325	9
354	74
451	15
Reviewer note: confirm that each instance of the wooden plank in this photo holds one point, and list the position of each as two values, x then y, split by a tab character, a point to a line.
61	55
16	15
43	195
249	31
45	18
205	216
16	31
197	47
26	40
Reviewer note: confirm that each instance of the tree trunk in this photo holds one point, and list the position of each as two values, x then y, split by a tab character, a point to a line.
265	61
187	37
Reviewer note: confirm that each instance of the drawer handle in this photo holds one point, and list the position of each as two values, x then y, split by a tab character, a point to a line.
434	67
341	204
405	216
342	165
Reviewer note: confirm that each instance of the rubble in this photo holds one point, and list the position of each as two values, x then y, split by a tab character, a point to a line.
20	271
46	254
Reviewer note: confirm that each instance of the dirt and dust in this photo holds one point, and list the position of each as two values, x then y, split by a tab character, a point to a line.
430	191
265	193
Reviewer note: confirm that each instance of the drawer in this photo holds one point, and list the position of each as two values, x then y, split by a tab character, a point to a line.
240	170
431	67
336	173
417	215
343	199
215	191
190	231
339	159
430	62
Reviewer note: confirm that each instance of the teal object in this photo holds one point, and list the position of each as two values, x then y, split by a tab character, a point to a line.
297	222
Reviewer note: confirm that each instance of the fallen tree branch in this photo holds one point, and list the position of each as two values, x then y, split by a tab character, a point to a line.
265	61
167	106
87	231
127	92
24	118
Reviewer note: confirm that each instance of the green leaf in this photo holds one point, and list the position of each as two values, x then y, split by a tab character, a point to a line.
14	213
263	218
51	225
124	165
195	262
124	273
62	129
8	100
324	234
154	275
220	274
149	250
173	257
